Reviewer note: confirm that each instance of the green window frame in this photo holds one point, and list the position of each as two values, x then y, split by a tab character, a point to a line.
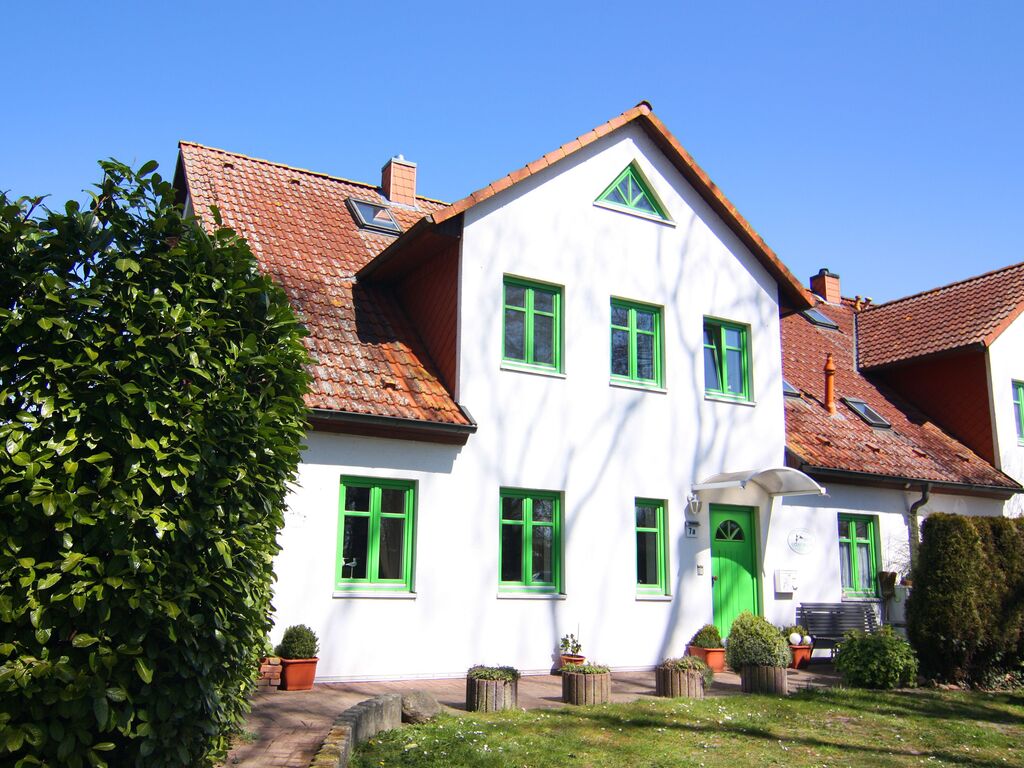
530	541
636	343
375	535
1018	409
858	555
632	193
726	360
651	551
532	324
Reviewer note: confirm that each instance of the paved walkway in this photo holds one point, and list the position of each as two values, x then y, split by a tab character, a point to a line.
287	727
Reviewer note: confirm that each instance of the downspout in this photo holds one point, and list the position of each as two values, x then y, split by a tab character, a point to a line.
914	526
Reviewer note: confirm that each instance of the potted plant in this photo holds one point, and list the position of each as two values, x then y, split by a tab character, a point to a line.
570	648
799	645
489	689
298	649
759	653
706	645
585	684
686	676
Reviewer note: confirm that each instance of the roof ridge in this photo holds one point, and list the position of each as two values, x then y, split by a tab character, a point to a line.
298	169
938	288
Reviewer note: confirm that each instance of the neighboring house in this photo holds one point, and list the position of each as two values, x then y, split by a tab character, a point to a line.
553	406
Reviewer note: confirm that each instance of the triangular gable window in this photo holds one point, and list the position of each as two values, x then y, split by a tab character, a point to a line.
632	192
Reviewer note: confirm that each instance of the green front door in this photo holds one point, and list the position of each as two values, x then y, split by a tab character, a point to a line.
733	564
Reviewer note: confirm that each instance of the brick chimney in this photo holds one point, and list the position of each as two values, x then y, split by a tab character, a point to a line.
826	285
398	181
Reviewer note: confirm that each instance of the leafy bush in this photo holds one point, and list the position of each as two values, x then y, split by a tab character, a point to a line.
707	636
881	659
151	413
586	669
965	617
689	663
752	640
480	672
298	642
569	645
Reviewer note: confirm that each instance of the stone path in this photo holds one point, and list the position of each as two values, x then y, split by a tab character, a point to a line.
287	727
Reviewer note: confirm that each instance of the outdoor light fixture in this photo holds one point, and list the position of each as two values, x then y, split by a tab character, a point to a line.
693	506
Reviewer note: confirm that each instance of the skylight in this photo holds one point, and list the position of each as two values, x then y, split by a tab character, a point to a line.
631	192
866	412
789	390
818	317
373	216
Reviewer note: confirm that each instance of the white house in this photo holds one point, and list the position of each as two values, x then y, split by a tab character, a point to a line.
553	406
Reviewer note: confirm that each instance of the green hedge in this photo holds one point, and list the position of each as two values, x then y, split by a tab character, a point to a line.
880	659
151	384
965	614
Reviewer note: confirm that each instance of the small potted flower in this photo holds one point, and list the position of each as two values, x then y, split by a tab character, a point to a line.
298	649
759	652
490	689
799	645
570	648
684	677
706	645
586	684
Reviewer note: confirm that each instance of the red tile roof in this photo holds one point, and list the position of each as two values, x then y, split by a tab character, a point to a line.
368	359
643	115
970	312
914	448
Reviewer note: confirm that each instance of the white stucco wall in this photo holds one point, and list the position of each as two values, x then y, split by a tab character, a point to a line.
1005	365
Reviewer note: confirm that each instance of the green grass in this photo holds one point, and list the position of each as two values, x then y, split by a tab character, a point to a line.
814	728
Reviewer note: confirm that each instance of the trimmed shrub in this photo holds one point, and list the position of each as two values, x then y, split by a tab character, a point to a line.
151	413
965	615
481	672
880	659
298	642
707	636
687	663
752	640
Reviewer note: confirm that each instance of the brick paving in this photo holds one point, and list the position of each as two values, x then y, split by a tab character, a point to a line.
287	727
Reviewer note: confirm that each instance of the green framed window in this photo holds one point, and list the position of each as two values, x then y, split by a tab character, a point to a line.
375	535
636	343
651	561
532	332
1018	409
530	556
631	192
726	360
858	555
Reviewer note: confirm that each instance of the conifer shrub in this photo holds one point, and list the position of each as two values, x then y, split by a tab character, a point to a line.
298	642
151	418
754	641
880	659
707	636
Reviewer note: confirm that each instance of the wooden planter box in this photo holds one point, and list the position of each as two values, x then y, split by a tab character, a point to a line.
298	674
586	689
491	695
771	680
678	683
801	656
713	657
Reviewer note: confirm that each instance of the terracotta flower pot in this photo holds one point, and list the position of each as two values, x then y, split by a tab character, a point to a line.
801	656
298	674
570	658
713	657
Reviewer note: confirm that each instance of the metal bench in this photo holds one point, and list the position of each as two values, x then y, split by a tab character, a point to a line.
827	623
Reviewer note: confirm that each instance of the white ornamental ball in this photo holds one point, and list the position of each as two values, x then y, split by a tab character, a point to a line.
794	639
807	640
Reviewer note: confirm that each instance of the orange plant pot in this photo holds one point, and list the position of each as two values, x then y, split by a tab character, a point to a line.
801	656
570	658
298	674
713	657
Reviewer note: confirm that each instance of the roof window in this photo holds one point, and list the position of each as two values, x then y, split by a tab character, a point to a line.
373	216
866	412
631	192
819	318
789	390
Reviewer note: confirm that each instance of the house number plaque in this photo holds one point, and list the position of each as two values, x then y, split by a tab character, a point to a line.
800	541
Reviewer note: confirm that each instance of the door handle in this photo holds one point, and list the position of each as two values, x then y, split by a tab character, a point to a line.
713	580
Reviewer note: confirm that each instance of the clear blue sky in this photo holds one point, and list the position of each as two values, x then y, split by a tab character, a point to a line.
880	139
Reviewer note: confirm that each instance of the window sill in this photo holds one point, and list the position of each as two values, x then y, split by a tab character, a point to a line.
551	373
632	212
626	384
530	596
363	594
730	400
653	598
861	599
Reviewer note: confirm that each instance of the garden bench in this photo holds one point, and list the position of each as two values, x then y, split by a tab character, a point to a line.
827	623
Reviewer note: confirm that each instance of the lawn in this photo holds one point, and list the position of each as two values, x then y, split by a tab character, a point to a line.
833	727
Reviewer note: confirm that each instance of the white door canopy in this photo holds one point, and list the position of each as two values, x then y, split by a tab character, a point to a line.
776	481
